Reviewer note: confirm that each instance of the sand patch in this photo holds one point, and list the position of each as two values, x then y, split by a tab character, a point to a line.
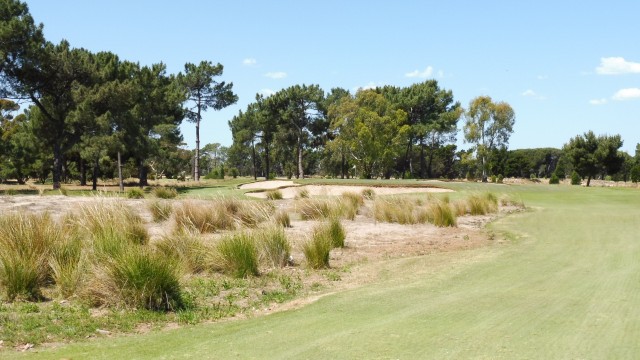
336	190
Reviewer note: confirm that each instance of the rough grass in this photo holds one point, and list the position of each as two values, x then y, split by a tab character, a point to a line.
135	193
316	251
441	214
202	217
275	248
162	192
187	249
160	210
238	255
25	244
315	209
274	194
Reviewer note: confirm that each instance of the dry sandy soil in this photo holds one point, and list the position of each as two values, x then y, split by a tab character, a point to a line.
366	238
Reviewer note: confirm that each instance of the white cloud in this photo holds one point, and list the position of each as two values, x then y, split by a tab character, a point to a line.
266	92
276	75
617	66
249	62
532	94
627	94
420	74
598	101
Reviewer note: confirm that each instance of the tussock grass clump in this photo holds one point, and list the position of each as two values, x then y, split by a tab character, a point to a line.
275	248
274	194
25	244
316	251
202	218
165	192
282	218
141	279
160	210
68	264
396	210
135	193
303	193
252	213
111	224
314	209
350	204
238	255
482	204
442	215
187	249
460	207
368	194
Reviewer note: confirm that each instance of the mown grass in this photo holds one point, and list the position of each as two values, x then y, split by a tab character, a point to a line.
563	290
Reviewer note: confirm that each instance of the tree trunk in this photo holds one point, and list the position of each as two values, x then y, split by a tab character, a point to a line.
120	181
342	165
196	163
142	174
94	175
423	165
253	157
266	162
484	169
588	180
57	165
300	165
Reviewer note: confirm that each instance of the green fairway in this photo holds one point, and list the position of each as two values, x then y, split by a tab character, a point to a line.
565	285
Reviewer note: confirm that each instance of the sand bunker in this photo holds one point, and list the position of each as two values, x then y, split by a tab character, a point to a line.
291	189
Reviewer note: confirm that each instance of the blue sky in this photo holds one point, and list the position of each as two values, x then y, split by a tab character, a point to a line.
566	67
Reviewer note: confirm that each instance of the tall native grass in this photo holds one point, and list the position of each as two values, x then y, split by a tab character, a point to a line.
482	204
238	255
202	217
325	237
407	210
161	210
165	192
441	214
25	244
350	204
191	254
275	248
68	263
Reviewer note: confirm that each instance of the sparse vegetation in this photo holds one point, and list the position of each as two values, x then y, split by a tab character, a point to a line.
274	194
162	192
368	194
160	210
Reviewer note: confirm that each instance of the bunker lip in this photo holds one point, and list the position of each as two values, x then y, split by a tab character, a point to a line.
290	190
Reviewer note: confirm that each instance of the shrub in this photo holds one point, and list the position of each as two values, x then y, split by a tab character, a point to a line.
494	179
135	193
368	194
238	255
576	179
165	192
160	210
25	243
274	246
316	251
554	180
442	215
274	194
234	172
500	179
187	249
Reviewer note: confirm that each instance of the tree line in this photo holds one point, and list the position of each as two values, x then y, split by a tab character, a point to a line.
87	107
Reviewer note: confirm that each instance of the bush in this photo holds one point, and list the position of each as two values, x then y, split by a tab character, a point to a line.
500	179
25	243
494	179
554	180
165	192
135	193
238	255
576	179
234	172
274	246
160	210
274	194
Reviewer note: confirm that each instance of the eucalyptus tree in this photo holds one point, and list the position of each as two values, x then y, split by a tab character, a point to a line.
488	126
373	131
204	92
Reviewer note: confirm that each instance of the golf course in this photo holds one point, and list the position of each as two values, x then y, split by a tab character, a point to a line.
561	281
